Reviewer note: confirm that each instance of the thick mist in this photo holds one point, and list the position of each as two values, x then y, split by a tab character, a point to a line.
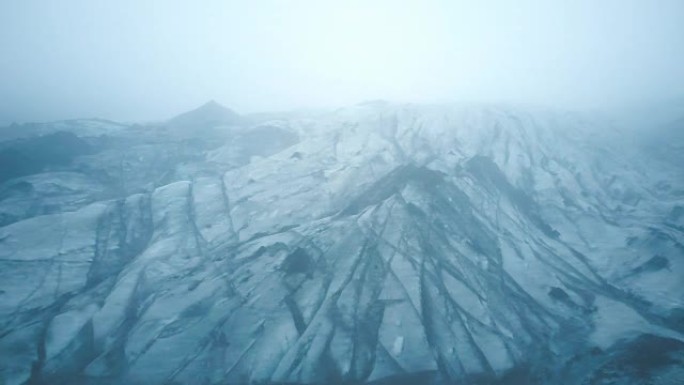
147	60
371	192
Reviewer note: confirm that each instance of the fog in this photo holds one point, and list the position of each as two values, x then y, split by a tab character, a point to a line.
147	60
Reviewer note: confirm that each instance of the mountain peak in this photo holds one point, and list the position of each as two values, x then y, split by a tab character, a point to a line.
212	104
209	114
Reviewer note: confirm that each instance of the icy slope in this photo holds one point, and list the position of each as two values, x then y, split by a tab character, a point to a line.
387	243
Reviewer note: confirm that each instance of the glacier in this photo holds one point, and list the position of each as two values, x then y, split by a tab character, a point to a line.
378	243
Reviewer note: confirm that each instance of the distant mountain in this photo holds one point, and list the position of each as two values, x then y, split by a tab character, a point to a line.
380	243
209	115
28	156
80	127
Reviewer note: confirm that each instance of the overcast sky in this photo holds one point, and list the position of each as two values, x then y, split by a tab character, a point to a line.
147	60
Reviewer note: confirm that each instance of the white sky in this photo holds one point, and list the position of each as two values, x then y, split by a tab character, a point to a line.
151	59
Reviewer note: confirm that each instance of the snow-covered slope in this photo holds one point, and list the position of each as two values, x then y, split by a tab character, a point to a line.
378	243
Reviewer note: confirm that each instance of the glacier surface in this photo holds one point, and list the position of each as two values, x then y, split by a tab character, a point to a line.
379	243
